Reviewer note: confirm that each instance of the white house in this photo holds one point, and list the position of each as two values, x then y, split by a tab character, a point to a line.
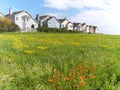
1	15
65	23
41	19
23	19
49	21
87	29
70	25
83	26
91	29
77	26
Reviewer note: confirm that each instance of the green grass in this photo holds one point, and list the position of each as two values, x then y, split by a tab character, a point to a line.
47	61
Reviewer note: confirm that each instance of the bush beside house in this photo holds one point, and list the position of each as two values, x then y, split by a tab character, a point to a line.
56	30
7	25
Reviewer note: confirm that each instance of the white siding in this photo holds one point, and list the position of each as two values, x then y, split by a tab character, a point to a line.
42	21
96	30
78	27
84	27
91	29
24	21
70	26
87	29
53	23
64	24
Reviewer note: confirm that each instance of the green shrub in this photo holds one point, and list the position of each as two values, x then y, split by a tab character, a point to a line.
56	30
7	25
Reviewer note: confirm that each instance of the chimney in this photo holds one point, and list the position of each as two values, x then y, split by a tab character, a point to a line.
10	11
37	17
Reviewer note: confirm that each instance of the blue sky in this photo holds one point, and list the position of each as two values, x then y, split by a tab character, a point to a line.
103	13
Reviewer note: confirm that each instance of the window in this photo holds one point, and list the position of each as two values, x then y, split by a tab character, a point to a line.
16	18
62	26
23	19
27	19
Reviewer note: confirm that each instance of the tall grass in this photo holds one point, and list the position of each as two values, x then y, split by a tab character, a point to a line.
41	61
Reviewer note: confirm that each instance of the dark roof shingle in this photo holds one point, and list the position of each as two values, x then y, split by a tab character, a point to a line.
14	13
42	17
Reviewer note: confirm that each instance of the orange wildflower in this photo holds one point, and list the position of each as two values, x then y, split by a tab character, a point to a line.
57	78
89	75
87	67
52	81
80	67
67	79
83	77
91	70
62	75
69	75
58	88
54	70
74	71
73	77
53	76
80	83
58	72
74	86
94	77
86	70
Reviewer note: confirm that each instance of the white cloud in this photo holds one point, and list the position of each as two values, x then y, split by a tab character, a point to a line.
61	4
103	13
65	4
105	20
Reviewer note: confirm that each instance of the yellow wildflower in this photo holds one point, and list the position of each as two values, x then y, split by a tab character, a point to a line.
41	48
29	51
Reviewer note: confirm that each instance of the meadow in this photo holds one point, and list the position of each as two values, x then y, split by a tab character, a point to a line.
54	61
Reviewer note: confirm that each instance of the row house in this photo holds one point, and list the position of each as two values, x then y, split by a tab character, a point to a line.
65	23
48	21
27	23
23	19
85	28
79	26
53	22
91	29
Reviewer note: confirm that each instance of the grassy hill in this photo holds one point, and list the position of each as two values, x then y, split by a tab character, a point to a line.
46	61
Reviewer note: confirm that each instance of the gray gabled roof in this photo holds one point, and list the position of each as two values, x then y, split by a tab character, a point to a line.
83	24
1	13
42	17
51	18
62	20
48	19
76	24
15	13
69	22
